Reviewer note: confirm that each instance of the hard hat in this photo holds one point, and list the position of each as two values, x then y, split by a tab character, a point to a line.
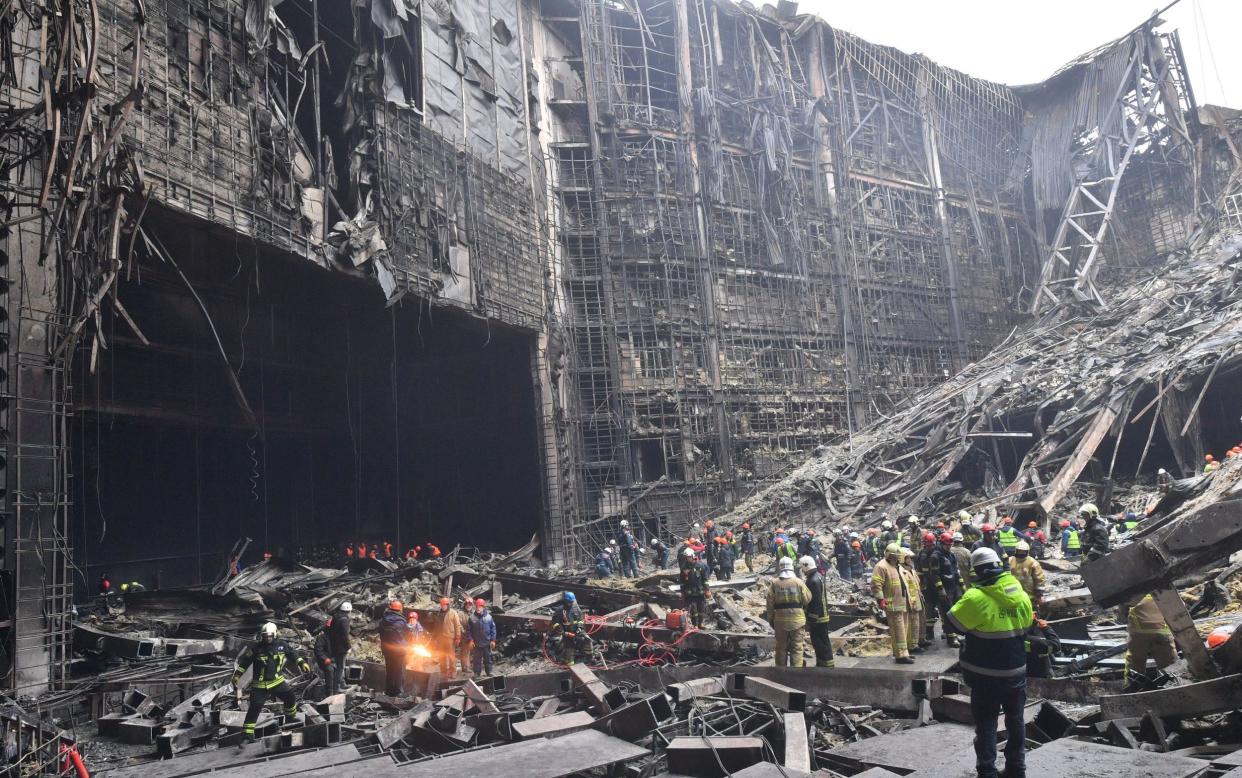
746	525
1208	457
396	605
806	563
957	536
1032	524
892	549
569	597
268	630
444	601
987	528
966	519
780	541
786	564
1131	515
1219	636
605	552
1064	524
886	524
346	607
853	535
1089	509
906	552
625	523
612	541
983	556
480	603
946	537
963	515
655	541
1162	471
695	525
688	552
1023	546
929	539
912	520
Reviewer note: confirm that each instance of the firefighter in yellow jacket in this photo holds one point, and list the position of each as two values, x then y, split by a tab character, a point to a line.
268	659
1147	635
892	591
787	599
1028	571
916	623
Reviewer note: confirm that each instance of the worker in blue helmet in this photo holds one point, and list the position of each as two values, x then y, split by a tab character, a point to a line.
569	629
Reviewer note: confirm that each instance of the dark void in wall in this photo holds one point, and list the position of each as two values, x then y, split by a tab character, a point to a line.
406	424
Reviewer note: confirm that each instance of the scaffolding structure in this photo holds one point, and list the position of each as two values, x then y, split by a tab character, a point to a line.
764	225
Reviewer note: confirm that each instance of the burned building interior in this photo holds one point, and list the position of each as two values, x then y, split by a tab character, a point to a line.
283	278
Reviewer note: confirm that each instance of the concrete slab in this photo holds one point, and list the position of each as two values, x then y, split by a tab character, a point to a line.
937	659
769	770
909	750
245	765
1068	758
877	772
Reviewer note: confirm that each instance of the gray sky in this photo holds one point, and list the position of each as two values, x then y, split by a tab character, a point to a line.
1024	42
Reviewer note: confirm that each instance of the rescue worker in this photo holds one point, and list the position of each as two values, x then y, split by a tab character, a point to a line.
603	564
395	641
710	547
888	587
339	645
994	615
858	566
660	549
1164	481
929	586
912	533
1037	542
629	550
465	658
569	629
804	542
948	580
322	650
1071	540
1007	536
132	587
1210	464
481	629
1147	635
961	555
433	550
1129	522
349	551
889	534
787	598
105	585
817	612
916	630
1029	572
267	660
785	550
988	540
748	547
970	533
871	547
447	636
778	537
694	591
1095	533
724	559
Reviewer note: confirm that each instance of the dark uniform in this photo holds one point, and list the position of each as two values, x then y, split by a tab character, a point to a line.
661	553
338	646
1095	538
395	641
928	580
970	534
569	628
817	619
948	581
748	549
323	658
694	590
267	662
481	629
724	560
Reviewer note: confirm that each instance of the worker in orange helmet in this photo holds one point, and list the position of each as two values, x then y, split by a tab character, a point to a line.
387	550
434	550
748	547
447	635
1210	465
349	551
395	642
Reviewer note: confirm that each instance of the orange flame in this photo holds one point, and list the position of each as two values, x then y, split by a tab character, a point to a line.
421	651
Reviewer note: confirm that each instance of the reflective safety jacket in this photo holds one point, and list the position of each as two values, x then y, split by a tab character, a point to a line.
970	533
1008	538
1030	574
1070	541
268	661
787	549
888	583
961	555
1146	619
787	597
913	586
994	615
694	580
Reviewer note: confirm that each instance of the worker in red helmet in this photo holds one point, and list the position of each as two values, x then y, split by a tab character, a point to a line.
395	642
947	576
447	634
481	630
1210	464
989	540
923	565
748	546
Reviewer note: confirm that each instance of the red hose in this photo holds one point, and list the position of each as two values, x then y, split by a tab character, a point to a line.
78	765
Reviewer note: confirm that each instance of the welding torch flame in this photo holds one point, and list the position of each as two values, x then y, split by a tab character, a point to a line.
422	652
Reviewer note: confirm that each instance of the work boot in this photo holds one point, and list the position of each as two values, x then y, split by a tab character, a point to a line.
929	634
951	640
904	660
920	648
1015	772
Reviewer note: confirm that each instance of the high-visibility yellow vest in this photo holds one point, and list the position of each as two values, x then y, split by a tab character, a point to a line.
1008	538
1074	543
